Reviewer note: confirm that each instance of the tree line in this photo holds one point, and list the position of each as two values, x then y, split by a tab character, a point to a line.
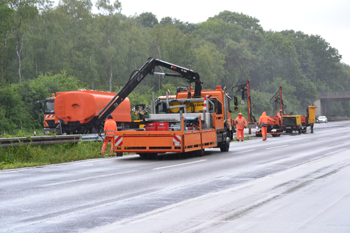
44	49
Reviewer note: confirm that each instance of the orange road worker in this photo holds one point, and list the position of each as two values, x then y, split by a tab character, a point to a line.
264	122
110	128
241	123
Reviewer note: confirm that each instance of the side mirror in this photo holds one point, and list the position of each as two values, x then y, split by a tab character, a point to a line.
40	106
235	100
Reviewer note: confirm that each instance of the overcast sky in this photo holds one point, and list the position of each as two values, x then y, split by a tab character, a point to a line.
329	19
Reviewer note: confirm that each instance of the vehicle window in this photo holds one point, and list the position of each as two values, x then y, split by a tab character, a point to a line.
49	106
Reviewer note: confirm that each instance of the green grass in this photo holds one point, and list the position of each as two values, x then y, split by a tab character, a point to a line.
246	137
26	156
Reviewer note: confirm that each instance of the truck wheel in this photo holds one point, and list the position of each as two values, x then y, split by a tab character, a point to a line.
225	146
200	152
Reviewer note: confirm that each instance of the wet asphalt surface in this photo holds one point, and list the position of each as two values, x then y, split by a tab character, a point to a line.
79	196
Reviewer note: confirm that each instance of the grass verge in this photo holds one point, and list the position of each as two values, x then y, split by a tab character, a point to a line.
26	156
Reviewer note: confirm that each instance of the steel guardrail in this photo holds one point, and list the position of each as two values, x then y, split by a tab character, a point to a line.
40	140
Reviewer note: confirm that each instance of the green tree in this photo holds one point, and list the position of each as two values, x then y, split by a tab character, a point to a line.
210	65
326	60
148	20
25	12
5	27
13	114
245	21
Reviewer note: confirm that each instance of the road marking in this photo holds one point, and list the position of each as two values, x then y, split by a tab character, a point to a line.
323	138
276	147
181	164
84	179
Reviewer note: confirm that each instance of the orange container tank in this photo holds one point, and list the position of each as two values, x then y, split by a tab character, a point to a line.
83	105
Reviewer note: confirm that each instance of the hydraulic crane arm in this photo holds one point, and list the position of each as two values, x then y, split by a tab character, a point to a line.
137	76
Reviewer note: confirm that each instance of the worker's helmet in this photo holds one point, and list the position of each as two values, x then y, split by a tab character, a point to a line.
239	114
110	116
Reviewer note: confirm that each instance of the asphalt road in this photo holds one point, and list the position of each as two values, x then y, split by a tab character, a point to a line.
293	183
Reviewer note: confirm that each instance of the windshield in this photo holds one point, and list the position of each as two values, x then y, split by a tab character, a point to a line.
49	106
322	117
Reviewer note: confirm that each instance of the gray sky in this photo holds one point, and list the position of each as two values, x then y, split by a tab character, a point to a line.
329	19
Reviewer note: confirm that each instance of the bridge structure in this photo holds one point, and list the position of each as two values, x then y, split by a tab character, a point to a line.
324	98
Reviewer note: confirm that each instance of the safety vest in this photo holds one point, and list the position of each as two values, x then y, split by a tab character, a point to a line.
264	120
240	123
110	128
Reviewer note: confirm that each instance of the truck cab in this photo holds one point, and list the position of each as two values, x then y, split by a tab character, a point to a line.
48	107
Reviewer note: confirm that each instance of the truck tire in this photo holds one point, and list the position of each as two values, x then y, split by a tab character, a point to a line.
225	146
200	152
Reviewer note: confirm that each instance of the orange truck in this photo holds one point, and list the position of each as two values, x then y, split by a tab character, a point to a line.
69	112
191	121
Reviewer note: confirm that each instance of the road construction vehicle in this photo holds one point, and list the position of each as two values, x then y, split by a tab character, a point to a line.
274	127
300	123
49	113
191	122
245	92
292	123
69	112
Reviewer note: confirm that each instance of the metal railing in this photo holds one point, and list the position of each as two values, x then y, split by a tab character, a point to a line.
40	140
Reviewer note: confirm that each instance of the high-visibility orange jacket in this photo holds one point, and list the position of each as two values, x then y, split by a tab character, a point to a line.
240	122
110	128
264	119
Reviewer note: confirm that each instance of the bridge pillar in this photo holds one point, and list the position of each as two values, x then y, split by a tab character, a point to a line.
318	107
324	107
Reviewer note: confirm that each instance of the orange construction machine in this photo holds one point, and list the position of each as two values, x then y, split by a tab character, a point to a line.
70	111
188	122
245	91
275	127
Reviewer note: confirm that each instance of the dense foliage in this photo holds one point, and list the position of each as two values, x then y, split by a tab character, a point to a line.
44	49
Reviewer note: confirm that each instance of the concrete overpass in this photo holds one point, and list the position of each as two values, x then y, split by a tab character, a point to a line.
324	98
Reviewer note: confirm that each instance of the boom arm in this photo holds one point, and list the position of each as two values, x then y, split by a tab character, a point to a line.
137	76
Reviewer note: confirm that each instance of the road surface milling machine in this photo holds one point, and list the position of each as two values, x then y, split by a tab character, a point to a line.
190	121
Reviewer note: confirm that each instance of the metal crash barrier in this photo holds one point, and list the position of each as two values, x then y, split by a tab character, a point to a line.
40	140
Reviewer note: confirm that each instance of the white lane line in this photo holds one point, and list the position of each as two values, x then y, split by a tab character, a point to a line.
276	147
181	164
323	138
84	179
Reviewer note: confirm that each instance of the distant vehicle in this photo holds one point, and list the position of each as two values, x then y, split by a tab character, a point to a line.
322	119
